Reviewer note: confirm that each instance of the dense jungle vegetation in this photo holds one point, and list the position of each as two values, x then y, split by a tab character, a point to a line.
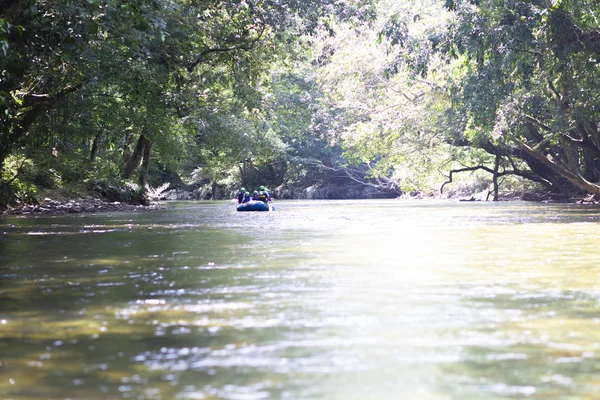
400	96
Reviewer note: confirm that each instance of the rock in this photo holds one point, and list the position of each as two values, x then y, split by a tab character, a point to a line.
309	193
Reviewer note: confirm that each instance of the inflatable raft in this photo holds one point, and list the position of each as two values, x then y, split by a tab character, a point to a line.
255	205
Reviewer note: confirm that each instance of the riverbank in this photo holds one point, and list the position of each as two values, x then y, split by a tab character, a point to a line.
75	206
83	199
58	202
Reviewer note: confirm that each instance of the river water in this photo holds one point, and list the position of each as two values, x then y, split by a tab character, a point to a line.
344	300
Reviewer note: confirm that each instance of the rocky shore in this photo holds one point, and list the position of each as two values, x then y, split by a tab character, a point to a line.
75	206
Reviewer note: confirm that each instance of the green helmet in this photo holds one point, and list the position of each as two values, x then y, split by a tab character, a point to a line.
255	192
242	190
262	188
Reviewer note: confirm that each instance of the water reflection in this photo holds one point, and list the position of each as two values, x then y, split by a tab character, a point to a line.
331	300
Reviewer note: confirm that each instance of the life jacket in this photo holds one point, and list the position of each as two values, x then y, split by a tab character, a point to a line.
240	197
263	195
247	198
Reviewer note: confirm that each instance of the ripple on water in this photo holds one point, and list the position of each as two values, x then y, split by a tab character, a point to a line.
338	300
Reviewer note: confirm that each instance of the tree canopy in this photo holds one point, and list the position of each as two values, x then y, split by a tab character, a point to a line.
400	95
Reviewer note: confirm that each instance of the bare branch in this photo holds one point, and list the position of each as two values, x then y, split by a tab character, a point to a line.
466	169
356	175
571	139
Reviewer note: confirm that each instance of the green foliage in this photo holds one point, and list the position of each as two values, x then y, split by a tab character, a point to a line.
81	80
15	181
388	88
489	76
533	79
287	90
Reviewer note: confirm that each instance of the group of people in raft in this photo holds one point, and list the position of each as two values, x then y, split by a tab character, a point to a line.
262	194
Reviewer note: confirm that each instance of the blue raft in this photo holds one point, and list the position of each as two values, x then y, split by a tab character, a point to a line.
255	205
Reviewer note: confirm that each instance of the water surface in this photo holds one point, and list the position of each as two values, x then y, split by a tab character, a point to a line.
317	300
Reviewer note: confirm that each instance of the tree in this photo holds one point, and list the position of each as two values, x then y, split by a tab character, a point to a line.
529	88
389	94
171	65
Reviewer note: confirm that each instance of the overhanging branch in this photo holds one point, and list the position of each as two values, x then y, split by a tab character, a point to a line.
468	169
33	99
246	47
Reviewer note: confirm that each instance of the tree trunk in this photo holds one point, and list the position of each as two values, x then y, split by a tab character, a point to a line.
127	144
546	175
133	161
94	150
591	167
495	177
272	175
283	166
4	151
574	178
243	172
549	177
242	175
143	181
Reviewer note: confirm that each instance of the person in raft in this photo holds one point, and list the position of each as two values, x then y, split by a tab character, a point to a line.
240	195
247	197
264	195
255	195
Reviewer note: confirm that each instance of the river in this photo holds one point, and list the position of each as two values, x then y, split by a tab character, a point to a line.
380	299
